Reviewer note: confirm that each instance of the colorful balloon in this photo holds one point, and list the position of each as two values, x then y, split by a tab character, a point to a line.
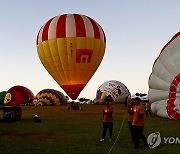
164	87
2	96
113	90
18	95
71	47
49	97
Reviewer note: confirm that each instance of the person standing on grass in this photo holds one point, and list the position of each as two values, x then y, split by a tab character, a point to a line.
130	118
107	120
138	123
148	109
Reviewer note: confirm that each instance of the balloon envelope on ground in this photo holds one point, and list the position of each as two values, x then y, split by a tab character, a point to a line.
18	95
113	90
164	87
71	47
49	97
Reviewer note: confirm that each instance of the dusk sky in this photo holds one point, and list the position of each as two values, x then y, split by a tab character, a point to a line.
136	31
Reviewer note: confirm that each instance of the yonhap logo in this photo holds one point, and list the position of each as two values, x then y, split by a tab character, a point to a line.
154	139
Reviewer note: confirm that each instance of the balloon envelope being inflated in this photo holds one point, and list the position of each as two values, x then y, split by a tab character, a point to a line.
49	97
113	90
164	87
18	95
71	47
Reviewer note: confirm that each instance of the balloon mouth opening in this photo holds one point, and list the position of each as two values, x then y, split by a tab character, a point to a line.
73	91
73	96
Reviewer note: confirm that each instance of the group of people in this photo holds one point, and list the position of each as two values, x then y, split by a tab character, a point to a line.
135	120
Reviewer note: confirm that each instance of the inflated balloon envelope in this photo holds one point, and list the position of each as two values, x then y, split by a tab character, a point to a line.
18	95
164	87
113	90
49	97
71	47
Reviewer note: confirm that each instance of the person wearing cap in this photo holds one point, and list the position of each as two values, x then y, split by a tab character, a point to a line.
107	120
138	123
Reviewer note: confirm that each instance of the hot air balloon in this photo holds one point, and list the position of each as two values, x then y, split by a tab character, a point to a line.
49	97
164	90
71	47
113	90
18	95
2	96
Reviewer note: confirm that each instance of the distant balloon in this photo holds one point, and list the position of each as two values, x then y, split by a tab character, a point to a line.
113	90
2	96
164	81
71	47
49	97
18	95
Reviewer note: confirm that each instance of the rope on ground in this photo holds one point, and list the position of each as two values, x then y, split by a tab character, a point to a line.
118	134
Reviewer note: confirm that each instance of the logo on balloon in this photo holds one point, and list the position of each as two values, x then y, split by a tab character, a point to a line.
83	55
154	140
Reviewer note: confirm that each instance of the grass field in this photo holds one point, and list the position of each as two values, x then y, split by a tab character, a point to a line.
78	132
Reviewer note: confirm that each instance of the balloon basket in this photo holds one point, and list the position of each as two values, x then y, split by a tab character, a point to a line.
12	113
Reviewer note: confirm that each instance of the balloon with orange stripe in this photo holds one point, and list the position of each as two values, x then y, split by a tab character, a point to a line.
71	47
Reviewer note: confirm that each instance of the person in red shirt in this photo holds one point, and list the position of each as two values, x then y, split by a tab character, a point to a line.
148	109
107	120
138	123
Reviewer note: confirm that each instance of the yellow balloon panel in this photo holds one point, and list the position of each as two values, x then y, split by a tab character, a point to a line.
74	66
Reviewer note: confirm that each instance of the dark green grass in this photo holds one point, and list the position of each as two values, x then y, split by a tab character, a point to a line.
78	132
